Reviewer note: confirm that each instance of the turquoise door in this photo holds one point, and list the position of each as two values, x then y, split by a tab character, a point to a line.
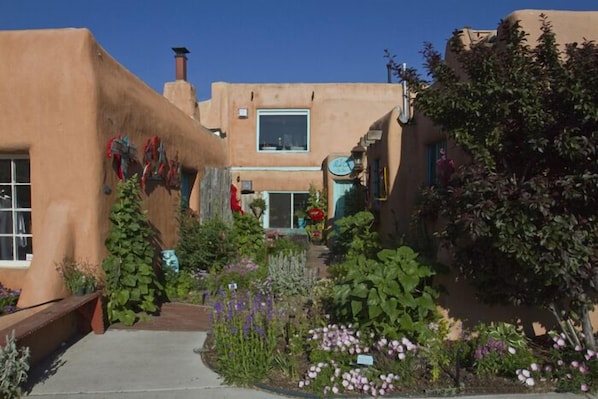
339	192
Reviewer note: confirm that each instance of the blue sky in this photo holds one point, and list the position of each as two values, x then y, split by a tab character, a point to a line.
267	41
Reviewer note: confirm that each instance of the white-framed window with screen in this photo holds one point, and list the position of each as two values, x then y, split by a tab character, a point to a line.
282	207
16	242
283	130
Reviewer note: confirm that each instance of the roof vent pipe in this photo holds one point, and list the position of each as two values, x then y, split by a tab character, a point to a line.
180	57
405	113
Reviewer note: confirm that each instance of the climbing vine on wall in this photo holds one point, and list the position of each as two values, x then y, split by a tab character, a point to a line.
131	282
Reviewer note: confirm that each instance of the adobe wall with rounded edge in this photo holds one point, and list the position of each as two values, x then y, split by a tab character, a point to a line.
62	111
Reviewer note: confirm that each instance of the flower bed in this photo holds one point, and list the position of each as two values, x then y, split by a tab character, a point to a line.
8	300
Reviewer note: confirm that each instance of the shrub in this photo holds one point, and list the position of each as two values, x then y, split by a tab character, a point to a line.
131	283
354	236
389	296
288	274
249	237
185	284
500	349
14	365
204	247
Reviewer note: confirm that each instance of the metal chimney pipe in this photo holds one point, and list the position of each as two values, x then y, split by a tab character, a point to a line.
180	57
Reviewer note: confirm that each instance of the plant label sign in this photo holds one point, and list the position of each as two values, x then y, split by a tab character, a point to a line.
366	360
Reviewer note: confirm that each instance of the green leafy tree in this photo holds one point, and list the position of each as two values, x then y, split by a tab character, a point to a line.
131	282
521	216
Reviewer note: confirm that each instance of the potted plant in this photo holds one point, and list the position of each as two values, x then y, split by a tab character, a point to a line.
300	215
258	206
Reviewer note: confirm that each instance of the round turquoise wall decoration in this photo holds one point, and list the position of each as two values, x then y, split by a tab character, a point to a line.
341	166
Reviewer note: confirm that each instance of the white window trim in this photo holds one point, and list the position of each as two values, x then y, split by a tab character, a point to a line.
283	111
17	264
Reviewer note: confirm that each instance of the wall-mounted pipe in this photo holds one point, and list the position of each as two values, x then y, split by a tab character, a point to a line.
405	112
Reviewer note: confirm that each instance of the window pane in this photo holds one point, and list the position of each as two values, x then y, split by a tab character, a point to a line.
279	208
280	132
24	222
300	200
23	196
6	248
22	171
24	247
5	171
5	197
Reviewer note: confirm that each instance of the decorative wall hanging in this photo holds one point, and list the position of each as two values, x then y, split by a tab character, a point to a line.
173	177
154	160
122	153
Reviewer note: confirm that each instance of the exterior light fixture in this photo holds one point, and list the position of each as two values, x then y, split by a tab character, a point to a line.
357	154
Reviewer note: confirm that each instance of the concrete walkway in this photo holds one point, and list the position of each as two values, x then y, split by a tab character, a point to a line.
133	364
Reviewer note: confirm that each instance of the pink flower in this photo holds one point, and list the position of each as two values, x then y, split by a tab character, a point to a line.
584	388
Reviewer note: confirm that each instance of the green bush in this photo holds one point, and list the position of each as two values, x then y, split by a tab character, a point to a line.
185	285
131	282
249	237
354	235
14	365
207	246
389	296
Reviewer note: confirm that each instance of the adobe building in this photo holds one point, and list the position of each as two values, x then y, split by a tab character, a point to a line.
403	156
64	100
282	138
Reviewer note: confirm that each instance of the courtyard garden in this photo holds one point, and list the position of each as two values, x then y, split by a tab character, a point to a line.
371	326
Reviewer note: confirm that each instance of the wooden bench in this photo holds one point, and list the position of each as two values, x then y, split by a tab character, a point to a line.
45	331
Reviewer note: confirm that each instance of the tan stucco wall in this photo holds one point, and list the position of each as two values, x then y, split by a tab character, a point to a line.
62	98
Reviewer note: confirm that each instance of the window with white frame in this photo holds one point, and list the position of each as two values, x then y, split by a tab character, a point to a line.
283	130
16	246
